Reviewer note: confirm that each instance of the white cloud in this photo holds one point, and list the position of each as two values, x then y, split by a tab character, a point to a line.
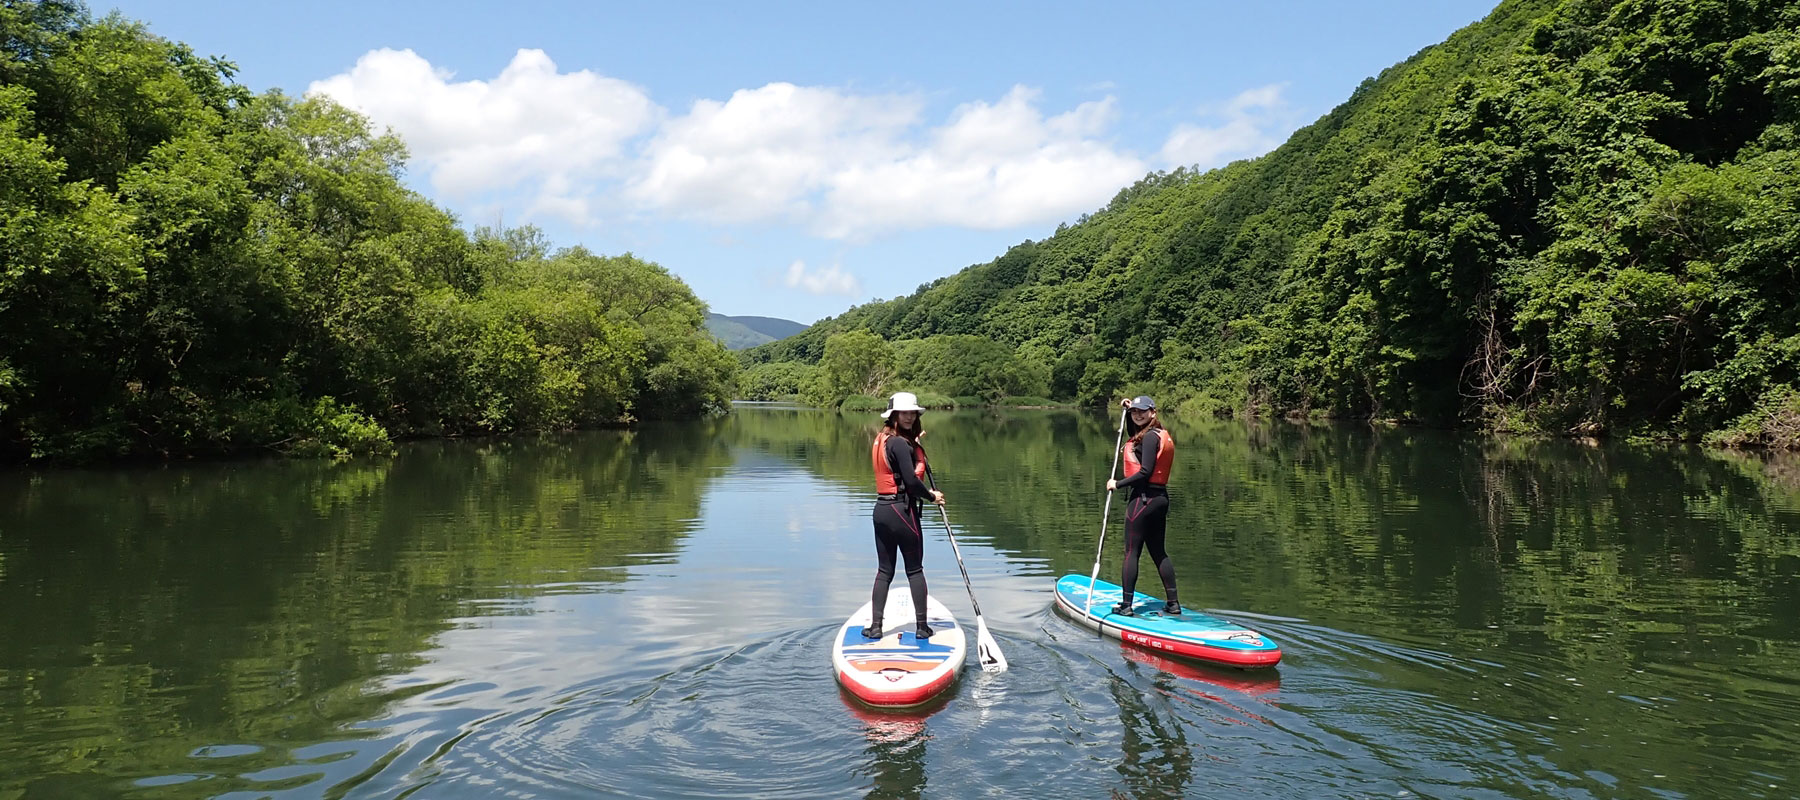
763	153
853	167
831	280
533	125
582	146
1254	122
991	167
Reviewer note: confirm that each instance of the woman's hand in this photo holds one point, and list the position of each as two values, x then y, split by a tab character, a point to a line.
937	497
1111	484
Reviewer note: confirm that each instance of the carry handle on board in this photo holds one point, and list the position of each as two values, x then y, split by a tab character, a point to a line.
987	651
1088	604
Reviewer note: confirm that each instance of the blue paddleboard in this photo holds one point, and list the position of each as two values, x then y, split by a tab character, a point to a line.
1190	633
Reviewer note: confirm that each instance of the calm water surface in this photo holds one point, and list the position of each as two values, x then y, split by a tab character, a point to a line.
648	613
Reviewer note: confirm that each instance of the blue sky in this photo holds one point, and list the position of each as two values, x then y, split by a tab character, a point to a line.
792	160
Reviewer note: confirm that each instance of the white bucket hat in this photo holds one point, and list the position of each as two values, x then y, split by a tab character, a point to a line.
902	401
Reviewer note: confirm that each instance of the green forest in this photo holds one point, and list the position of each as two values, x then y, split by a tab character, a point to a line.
1573	217
190	269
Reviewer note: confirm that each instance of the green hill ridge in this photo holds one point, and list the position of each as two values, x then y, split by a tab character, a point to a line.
1571	216
746	331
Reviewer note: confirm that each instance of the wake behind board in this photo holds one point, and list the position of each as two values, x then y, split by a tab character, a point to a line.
1190	633
899	669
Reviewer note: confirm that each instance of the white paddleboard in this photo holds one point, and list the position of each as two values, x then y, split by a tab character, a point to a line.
899	669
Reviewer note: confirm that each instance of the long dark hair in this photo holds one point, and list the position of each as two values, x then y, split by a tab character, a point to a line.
893	423
1136	433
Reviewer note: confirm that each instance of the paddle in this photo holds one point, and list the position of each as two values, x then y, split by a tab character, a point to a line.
1088	605
987	651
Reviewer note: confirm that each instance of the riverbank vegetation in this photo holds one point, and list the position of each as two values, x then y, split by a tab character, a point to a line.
187	268
1574	217
857	367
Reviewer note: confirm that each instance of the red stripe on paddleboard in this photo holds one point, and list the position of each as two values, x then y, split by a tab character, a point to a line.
902	697
1221	655
1229	656
903	666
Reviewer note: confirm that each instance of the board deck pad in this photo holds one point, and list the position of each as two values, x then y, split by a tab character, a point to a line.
1190	633
899	669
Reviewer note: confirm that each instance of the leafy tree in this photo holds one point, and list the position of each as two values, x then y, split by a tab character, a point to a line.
1100	382
776	381
855	362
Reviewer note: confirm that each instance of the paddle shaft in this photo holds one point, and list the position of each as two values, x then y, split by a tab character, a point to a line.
945	516
1088	604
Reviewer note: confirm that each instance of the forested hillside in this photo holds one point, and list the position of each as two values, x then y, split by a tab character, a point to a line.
187	268
741	332
1573	216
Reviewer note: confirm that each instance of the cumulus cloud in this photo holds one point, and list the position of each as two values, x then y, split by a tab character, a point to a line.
852	167
830	280
992	166
581	146
1252	123
763	153
532	124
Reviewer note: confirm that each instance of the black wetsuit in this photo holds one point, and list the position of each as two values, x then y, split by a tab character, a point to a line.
1146	519
898	527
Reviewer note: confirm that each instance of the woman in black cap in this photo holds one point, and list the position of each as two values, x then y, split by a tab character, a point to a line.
900	492
1148	454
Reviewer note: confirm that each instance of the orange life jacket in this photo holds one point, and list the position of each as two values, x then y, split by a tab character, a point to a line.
1165	458
886	482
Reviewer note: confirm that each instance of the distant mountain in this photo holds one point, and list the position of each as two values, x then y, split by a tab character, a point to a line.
739	333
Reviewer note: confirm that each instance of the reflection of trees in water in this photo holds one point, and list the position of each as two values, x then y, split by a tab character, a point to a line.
226	601
1157	760
1779	468
1380	522
1592	555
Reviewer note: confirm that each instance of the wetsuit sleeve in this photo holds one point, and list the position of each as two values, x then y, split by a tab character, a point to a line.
1150	445
899	452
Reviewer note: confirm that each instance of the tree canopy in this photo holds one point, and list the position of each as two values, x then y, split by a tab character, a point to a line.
189	268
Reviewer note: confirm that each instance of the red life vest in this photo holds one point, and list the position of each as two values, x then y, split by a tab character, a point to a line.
1165	458
886	482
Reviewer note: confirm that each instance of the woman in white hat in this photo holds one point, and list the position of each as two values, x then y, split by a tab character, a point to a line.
900	494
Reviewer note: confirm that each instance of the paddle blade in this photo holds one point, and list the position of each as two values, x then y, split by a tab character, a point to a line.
987	651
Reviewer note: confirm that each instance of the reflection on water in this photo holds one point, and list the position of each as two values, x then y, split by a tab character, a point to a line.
896	745
648	612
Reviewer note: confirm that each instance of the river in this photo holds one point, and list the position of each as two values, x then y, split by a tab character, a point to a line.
648	612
